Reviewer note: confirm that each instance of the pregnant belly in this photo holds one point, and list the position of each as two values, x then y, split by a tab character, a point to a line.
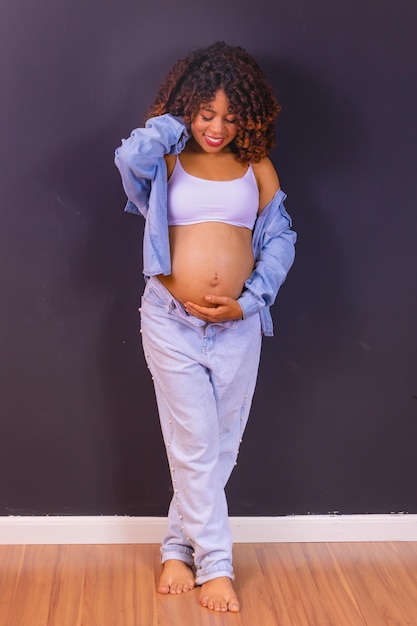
208	259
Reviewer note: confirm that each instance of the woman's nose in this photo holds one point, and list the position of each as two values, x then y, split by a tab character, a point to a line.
216	125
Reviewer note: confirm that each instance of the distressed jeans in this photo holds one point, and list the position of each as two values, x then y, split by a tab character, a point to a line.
204	376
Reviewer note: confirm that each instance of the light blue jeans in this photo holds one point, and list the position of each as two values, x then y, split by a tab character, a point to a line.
204	377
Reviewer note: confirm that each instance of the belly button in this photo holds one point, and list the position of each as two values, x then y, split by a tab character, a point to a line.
214	281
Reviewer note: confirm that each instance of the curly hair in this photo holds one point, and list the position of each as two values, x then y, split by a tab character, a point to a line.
195	79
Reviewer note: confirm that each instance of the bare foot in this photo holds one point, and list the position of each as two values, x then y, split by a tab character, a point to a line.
176	577
218	595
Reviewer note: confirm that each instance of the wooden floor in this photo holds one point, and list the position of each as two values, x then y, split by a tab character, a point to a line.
322	584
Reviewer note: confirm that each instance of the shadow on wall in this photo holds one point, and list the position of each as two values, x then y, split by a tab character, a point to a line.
317	136
105	282
96	291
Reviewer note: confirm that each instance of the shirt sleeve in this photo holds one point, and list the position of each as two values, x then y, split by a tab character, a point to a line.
274	256
137	157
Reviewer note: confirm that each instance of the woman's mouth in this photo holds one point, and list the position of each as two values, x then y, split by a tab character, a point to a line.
213	141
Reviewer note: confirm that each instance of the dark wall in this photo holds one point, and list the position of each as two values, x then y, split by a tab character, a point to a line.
334	421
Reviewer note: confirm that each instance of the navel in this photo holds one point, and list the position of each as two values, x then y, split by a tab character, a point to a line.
214	281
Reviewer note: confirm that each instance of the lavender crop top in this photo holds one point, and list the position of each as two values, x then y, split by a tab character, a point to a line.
193	200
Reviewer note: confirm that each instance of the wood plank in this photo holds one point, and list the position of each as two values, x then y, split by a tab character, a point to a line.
11	561
117	586
380	581
32	597
67	587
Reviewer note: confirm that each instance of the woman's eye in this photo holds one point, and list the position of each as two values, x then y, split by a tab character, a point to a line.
210	119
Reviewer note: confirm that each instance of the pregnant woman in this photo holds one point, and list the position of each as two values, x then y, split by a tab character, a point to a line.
217	247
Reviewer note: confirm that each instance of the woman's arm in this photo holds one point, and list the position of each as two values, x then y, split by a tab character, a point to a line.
267	180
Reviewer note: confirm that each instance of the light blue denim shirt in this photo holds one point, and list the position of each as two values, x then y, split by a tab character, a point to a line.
140	160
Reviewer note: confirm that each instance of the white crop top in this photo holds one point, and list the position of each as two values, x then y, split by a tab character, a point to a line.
193	200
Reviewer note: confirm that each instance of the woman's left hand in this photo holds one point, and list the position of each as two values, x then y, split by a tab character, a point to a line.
226	309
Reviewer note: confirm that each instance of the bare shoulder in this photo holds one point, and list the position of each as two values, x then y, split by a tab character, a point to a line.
267	179
170	160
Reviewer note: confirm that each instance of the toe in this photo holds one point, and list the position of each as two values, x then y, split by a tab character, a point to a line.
234	606
217	605
177	588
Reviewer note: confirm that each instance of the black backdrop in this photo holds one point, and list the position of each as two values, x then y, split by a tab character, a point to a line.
334	421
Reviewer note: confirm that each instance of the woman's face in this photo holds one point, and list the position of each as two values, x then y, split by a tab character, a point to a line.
214	127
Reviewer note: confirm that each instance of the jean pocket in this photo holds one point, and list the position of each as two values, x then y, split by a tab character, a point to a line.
152	296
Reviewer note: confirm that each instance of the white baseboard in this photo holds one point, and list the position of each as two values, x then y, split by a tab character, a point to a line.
16	530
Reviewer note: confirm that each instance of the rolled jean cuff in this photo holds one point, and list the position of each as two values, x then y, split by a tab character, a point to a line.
178	553
204	576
